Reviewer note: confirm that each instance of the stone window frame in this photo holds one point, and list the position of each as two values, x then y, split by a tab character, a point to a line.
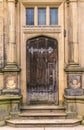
47	7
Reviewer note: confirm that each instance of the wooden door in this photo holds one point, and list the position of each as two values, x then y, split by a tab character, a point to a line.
42	70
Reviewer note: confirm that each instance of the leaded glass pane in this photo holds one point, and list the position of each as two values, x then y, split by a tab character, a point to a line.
53	16
41	16
29	16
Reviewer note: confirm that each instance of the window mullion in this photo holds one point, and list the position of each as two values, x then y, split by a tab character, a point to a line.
36	16
47	16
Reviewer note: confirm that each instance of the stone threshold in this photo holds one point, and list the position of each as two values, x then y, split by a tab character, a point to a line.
43	122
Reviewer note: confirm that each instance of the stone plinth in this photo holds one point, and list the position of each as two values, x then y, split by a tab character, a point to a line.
74	105
8	104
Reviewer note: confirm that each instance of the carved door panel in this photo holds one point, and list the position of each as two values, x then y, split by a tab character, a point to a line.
42	61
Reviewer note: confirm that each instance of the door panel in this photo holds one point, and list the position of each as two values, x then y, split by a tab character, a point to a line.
42	70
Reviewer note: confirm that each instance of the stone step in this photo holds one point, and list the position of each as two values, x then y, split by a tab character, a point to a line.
43	123
43	115
42	108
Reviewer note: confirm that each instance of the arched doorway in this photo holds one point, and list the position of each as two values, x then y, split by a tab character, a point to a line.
42	70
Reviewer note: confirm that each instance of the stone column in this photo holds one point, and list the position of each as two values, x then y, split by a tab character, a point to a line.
11	50
11	58
73	31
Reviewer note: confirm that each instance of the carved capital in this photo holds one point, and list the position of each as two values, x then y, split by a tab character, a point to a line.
12	1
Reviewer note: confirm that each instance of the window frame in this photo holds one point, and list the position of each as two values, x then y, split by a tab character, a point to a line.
47	15
27	16
56	16
39	8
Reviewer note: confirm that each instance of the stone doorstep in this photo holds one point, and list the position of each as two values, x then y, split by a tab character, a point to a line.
48	115
43	107
43	111
44	122
51	114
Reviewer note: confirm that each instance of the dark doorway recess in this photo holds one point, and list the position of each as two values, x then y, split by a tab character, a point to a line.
42	70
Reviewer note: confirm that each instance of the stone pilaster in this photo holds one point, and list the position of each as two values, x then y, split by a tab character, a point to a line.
11	68
73	69
11	64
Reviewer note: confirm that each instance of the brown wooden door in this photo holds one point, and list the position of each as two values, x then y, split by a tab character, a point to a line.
42	70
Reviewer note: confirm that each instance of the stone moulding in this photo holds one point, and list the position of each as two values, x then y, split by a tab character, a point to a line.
40	29
74	98
10	98
10	68
43	2
73	68
68	1
14	92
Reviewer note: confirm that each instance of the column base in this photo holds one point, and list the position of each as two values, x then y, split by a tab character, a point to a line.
9	106
72	67
11	67
74	80
74	106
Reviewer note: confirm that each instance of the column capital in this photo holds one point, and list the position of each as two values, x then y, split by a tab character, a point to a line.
12	1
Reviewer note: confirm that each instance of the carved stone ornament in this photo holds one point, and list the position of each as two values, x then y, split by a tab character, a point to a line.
74	86
74	81
40	29
11	81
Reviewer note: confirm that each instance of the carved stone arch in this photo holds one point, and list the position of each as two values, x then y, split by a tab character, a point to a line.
29	37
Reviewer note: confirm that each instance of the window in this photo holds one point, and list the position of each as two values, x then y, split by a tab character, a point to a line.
41	16
29	16
53	16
